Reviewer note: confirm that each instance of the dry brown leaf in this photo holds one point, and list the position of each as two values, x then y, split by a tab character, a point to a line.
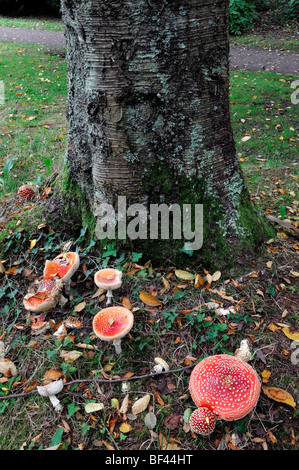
126	303
141	404
216	276
266	374
280	395
107	445
125	428
125	405
79	307
70	356
149	299
198	282
52	374
7	368
166	284
290	333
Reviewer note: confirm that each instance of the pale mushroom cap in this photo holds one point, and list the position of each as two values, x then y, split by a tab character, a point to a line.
227	385
159	360
112	323
202	421
108	278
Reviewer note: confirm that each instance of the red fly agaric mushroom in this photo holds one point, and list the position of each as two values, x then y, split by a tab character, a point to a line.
226	385
63	267
202	421
108	279
27	191
44	296
112	324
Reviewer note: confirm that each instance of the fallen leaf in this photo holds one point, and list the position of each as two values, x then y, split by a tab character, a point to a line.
141	404
79	307
108	446
290	333
126	303
149	299
266	374
125	428
150	420
70	356
216	276
186	275
93	407
7	368
280	395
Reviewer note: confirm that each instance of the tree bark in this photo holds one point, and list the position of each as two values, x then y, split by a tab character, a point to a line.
148	112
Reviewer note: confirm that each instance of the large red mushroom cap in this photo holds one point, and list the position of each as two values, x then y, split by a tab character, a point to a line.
112	323
226	385
202	421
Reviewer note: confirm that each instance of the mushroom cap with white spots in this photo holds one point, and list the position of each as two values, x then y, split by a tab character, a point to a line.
226	385
108	278
63	266
202	421
112	323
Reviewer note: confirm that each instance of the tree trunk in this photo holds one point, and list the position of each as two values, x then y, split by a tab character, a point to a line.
149	117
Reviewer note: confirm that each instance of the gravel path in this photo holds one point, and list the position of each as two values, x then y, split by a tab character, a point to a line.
241	58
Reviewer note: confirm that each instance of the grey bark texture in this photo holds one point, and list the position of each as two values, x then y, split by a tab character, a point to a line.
148	106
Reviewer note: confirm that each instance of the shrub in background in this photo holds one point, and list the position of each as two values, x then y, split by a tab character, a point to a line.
242	14
284	11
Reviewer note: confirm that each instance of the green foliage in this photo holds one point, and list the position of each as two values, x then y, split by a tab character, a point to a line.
284	11
242	15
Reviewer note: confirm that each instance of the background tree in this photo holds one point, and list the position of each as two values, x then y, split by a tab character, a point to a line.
149	116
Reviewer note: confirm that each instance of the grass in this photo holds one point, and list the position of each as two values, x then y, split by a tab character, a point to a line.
35	84
53	24
270	42
33	122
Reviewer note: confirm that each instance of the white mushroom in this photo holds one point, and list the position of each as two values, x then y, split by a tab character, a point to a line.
50	390
160	365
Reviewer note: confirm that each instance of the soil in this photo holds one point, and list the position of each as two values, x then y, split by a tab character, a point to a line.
241	57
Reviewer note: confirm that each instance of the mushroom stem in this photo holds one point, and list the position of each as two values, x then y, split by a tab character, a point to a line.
67	285
117	345
55	402
50	390
109	296
158	368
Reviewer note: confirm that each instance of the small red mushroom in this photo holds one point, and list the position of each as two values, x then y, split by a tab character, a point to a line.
27	191
108	279
226	385
112	324
202	421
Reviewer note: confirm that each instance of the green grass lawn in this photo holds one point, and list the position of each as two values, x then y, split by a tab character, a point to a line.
33	138
269	41
53	24
33	122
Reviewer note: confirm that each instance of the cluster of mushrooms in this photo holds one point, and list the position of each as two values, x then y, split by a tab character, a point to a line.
222	386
